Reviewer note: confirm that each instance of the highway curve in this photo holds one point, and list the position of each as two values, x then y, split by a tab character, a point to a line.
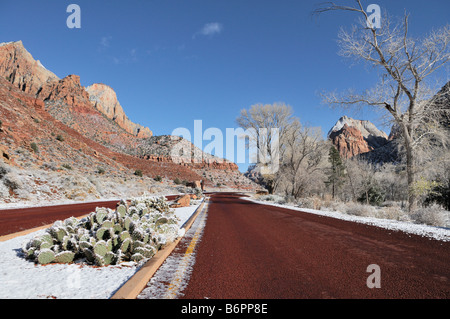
252	251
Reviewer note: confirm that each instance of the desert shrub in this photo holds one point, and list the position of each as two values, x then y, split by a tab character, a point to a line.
270	198
66	166
34	147
289	199
158	178
198	192
138	172
49	166
310	202
12	185
3	171
281	201
391	203
373	196
357	209
338	206
132	232
440	195
60	138
392	212
177	181
433	215
100	170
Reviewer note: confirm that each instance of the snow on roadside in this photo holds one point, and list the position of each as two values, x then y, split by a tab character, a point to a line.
437	233
40	203
22	279
31	204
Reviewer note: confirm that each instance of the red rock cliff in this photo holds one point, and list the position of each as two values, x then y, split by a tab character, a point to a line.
19	67
105	100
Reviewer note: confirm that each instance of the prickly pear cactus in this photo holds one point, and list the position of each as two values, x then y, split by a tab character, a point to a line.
100	215
122	210
46	256
101	233
101	248
132	232
64	257
137	257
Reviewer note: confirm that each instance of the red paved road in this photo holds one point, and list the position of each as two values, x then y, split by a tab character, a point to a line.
15	220
256	251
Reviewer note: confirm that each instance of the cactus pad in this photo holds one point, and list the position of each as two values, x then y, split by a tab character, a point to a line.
46	256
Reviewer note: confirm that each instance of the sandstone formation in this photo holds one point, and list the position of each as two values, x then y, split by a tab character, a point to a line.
19	67
196	184
105	100
349	142
161	149
366	128
353	137
69	91
182	201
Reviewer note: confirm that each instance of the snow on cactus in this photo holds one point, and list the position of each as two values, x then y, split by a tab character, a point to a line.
132	232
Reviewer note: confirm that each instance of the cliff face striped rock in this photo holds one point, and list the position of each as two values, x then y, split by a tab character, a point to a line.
105	100
19	67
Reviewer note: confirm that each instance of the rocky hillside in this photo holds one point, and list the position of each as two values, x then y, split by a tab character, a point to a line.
61	140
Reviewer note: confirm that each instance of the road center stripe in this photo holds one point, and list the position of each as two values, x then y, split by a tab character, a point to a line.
172	277
175	285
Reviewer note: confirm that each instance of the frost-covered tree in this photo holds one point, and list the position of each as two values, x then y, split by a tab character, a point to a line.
405	66
301	170
267	126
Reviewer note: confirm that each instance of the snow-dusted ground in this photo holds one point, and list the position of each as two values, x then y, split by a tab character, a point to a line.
22	279
29	204
438	233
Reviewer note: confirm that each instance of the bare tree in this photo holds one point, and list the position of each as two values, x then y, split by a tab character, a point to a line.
304	159
360	175
404	90
267	126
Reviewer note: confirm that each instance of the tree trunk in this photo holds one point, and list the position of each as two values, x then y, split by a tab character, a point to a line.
333	189
351	185
410	171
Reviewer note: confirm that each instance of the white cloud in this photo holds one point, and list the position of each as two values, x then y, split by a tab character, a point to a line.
105	42
133	55
209	29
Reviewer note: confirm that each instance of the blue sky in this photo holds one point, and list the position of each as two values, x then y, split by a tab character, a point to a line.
173	62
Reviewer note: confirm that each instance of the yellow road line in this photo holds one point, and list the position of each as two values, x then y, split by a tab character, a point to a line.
175	284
